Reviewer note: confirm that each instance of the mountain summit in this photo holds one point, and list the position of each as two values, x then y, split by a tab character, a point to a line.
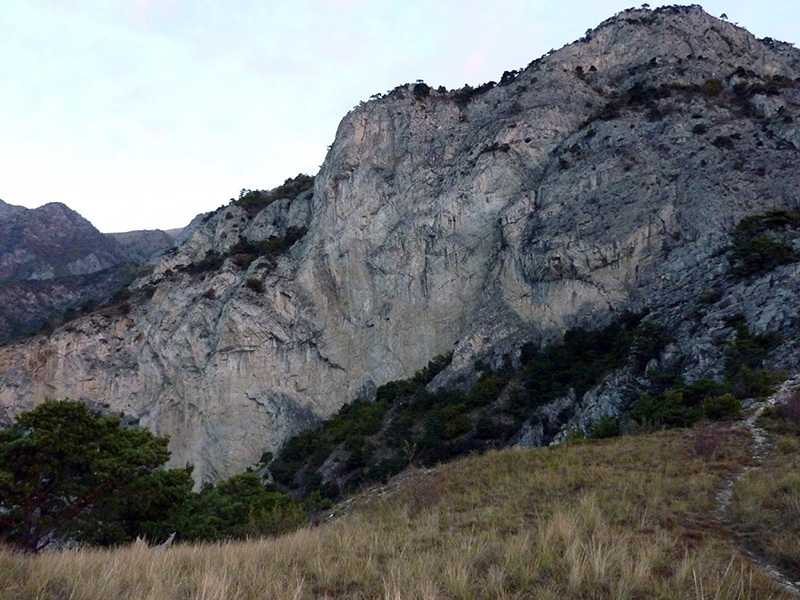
649	166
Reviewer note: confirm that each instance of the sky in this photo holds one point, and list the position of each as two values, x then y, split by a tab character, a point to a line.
141	114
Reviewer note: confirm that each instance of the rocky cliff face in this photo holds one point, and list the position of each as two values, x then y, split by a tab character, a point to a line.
605	176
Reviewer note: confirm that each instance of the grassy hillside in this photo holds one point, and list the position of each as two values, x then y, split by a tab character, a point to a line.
629	517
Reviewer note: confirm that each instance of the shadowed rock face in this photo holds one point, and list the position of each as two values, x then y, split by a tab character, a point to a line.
605	176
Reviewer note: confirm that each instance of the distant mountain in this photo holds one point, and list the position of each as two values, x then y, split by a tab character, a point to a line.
54	264
141	246
52	241
7	210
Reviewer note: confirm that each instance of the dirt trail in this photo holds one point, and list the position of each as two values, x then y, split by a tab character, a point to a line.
760	449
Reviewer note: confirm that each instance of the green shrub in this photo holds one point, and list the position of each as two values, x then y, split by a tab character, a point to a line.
761	255
293	456
648	342
745	357
712	87
464	96
581	360
397	389
759	243
384	468
604	427
722	406
496	147
724	142
683	405
456	420
486	390
211	262
436	365
356	418
244	251
239	507
421	90
670	409
754	383
255	284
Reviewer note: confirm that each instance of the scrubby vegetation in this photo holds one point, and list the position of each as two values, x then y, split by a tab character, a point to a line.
237	508
421	90
583	357
255	284
737	97
466	94
669	401
683	405
374	441
744	362
410	425
211	262
244	252
762	243
495	147
254	201
407	424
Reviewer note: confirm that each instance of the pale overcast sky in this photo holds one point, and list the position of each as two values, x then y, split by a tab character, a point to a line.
140	114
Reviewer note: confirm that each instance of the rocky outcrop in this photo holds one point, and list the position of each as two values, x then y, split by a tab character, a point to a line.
605	176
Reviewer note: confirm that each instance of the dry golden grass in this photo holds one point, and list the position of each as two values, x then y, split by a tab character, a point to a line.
766	506
625	518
